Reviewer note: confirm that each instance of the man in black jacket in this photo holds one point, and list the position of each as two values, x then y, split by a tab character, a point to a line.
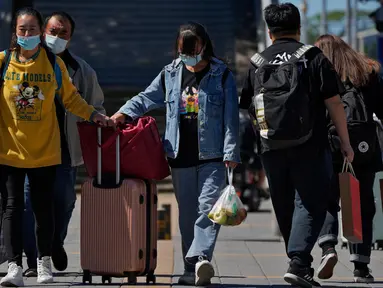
299	176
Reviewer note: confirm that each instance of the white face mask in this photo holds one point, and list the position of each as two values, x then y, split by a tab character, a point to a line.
56	44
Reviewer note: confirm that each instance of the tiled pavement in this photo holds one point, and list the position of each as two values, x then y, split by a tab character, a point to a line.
246	256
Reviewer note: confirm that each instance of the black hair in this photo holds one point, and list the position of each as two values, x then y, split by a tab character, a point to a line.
65	16
25	11
190	34
282	19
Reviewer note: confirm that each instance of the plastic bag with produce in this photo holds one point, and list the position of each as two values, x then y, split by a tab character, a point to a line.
229	209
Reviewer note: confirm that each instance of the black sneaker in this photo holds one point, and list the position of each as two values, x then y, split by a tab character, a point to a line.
301	277
187	279
327	264
363	276
30	272
59	258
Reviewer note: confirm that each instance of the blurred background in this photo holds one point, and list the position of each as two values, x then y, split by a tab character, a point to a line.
128	42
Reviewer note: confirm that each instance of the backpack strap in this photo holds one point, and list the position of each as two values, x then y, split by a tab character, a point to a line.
258	60
58	76
357	94
300	53
4	65
55	66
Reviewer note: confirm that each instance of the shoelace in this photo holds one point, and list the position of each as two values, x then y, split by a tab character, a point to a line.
44	267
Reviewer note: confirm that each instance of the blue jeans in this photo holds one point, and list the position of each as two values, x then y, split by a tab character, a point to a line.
197	189
64	202
300	182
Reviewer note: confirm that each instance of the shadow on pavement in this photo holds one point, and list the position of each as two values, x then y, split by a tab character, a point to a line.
250	240
66	274
262	211
271	286
100	284
232	277
349	283
248	285
49	285
224	277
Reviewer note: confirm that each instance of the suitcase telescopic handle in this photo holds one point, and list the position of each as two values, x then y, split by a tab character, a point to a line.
99	161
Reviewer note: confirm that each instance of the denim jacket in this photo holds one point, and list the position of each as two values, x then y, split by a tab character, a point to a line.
218	116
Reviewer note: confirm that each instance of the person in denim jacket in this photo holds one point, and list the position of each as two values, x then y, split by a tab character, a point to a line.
201	138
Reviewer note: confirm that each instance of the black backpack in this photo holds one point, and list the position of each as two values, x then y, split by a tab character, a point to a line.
281	104
361	129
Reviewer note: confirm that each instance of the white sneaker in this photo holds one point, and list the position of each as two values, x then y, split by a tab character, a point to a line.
14	278
44	270
204	271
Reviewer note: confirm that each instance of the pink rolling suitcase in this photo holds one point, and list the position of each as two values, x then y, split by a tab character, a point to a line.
118	226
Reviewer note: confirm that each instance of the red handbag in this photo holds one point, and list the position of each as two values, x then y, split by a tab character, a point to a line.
141	149
350	204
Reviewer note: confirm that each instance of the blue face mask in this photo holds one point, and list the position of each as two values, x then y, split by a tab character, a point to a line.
190	60
28	43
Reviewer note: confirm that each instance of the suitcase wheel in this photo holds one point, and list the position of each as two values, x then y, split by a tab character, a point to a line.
132	278
86	277
151	278
106	279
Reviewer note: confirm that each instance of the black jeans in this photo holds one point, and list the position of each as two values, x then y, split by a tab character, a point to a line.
12	194
299	180
329	234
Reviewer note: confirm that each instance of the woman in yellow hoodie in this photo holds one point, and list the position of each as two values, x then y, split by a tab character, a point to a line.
30	138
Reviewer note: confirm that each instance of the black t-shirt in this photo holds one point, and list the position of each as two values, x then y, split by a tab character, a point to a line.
188	152
322	81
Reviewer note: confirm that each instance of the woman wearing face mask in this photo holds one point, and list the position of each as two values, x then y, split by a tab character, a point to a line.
201	137
59	28
360	76
30	139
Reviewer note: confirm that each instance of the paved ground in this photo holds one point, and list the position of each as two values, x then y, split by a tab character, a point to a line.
246	256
